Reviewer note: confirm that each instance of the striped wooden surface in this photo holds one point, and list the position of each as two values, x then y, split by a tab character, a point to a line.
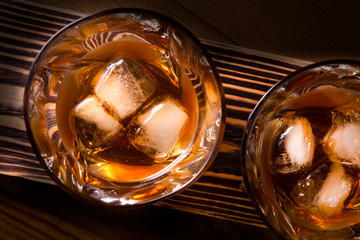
24	216
246	75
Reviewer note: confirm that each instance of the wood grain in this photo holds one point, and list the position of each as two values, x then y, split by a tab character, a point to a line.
246	75
33	210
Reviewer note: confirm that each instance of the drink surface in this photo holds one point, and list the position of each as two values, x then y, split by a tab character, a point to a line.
123	113
313	163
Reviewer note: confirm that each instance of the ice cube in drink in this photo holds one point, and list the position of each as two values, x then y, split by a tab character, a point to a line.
94	124
334	191
156	130
295	143
124	86
324	190
343	143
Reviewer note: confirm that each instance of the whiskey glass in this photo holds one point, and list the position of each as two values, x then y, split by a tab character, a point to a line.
300	153
124	107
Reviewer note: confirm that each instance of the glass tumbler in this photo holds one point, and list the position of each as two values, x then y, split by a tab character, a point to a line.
301	153
124	107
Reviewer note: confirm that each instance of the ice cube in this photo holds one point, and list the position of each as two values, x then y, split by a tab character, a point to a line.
336	188
124	86
93	124
297	144
324	190
343	141
156	130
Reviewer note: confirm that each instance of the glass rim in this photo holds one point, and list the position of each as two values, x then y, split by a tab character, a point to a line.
204	52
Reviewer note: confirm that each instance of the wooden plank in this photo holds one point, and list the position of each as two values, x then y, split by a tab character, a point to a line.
246	76
32	210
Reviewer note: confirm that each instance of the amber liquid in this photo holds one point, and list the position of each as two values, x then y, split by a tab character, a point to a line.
319	107
119	161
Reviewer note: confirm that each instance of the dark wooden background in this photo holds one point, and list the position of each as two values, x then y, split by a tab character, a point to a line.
308	30
304	29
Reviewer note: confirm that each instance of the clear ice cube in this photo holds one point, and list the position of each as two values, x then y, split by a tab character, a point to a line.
93	124
324	190
343	142
156	130
124	86
297	144
335	189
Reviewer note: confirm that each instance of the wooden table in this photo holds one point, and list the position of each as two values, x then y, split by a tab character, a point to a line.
213	208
